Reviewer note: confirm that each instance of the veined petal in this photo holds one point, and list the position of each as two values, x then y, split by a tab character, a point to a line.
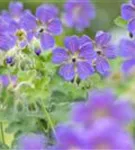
84	40
87	52
72	43
127	11
102	66
46	12
55	27
84	70
28	21
6	42
110	51
102	38
47	41
127	48
67	72
59	55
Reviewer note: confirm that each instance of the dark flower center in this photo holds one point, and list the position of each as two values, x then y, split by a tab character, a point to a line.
99	52
41	30
73	60
131	35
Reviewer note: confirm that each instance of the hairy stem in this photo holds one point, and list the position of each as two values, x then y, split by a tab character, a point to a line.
2	132
48	118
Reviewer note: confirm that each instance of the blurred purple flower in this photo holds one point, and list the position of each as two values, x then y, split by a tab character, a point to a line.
103	104
68	137
76	58
102	135
127	51
108	135
78	13
5	80
128	13
31	141
48	25
105	50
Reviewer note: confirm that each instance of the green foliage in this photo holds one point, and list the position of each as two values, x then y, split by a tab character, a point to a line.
120	22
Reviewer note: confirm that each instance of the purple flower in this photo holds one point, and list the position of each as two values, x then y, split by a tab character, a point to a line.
76	58
103	104
5	80
68	137
105	50
21	32
48	25
107	135
31	141
127	51
78	13
128	13
102	135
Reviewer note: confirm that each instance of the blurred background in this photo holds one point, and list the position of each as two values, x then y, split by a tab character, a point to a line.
107	11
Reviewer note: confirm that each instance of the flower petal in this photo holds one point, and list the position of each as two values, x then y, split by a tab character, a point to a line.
131	26
67	72
102	38
84	70
16	8
127	48
46	12
128	66
72	43
102	66
55	27
59	55
84	40
6	42
127	11
110	51
133	2
87	52
47	41
28	21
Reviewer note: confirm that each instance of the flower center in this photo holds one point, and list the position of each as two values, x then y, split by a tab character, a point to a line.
73	60
21	34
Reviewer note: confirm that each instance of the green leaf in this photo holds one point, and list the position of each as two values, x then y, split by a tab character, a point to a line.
120	22
3	146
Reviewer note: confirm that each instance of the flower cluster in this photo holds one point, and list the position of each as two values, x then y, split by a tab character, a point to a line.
128	13
97	123
19	27
126	46
83	56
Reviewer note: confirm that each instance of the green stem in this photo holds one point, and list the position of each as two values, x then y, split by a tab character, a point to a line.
49	118
2	133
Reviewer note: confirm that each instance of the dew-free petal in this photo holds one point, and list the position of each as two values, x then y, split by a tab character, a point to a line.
59	55
47	41
67	71
84	70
